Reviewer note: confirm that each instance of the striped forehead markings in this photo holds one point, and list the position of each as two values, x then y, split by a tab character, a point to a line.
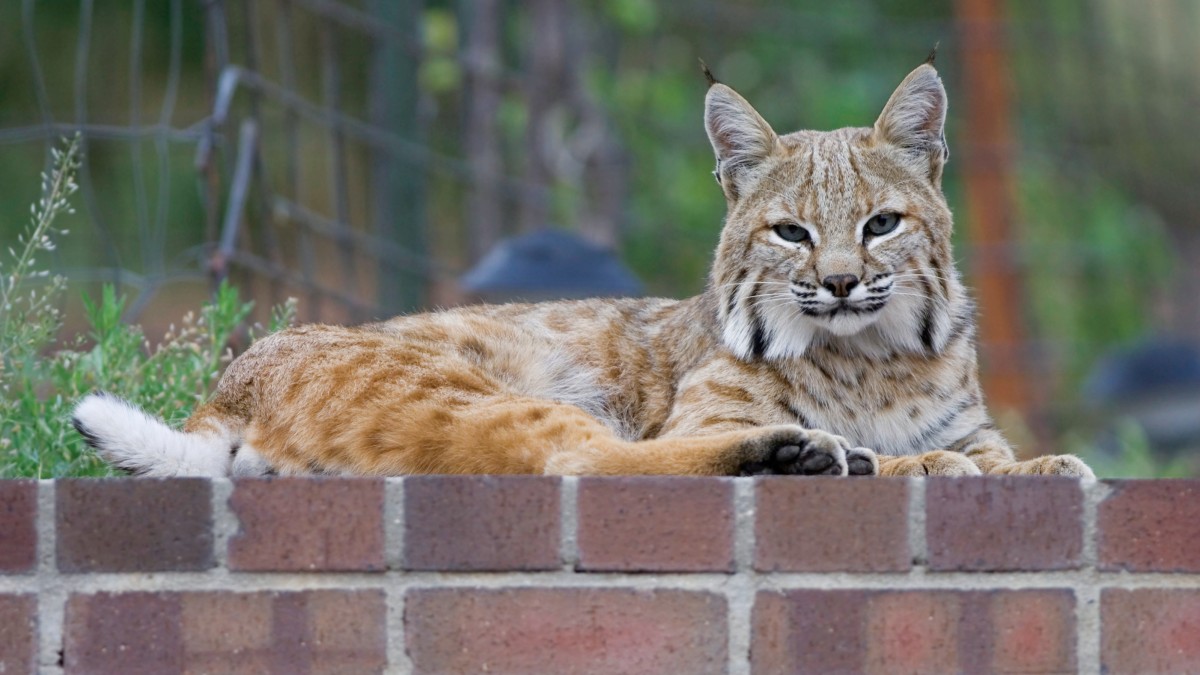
833	181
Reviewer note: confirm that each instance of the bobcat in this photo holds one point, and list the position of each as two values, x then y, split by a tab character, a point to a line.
834	321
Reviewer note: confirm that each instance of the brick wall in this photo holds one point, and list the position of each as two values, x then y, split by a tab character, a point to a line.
653	575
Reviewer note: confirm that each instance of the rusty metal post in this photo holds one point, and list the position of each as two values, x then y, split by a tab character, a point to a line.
399	183
483	95
988	172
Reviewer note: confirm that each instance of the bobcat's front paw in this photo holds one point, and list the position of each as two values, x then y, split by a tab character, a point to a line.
806	452
1049	465
936	463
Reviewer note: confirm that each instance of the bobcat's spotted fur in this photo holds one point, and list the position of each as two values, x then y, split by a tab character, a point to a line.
834	321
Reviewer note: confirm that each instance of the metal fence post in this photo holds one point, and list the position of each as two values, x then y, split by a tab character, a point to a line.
398	183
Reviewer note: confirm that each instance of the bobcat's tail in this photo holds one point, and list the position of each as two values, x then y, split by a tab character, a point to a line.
130	439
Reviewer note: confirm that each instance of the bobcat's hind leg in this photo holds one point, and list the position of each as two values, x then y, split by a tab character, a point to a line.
248	462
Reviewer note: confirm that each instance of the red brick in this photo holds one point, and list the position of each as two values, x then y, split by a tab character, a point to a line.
18	526
1033	631
1150	630
225	632
303	524
126	632
18	633
915	632
1150	526
565	630
481	523
656	524
934	631
1002	523
824	524
134	524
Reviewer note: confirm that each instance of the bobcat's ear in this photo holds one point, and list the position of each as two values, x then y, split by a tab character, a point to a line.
740	137
914	119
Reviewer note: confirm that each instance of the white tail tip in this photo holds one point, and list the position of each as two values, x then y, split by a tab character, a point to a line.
130	439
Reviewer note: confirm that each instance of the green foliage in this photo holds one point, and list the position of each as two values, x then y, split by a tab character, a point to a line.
637	16
1133	457
33	318
440	71
1094	257
43	377
168	380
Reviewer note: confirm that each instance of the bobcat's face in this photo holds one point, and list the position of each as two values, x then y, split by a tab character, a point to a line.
830	235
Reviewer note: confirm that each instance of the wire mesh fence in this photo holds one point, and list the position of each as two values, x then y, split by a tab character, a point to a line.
65	69
310	149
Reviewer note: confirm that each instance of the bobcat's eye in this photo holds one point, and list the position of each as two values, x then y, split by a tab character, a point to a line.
882	223
791	232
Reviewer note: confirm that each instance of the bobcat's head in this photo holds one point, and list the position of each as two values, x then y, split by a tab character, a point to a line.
835	237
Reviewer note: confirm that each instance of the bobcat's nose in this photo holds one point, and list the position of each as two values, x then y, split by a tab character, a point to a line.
840	284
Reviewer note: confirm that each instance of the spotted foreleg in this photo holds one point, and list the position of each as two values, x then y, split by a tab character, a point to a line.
992	454
765	437
935	463
984	452
779	449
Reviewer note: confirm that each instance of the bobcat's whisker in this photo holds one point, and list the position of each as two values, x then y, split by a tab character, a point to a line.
928	275
777	304
753	283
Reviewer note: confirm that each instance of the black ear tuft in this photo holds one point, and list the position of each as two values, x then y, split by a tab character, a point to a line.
740	137
915	115
708	76
932	54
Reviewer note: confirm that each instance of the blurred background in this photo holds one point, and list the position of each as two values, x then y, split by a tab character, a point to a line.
371	157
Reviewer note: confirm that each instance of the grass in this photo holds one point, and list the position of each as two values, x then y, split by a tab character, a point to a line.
42	375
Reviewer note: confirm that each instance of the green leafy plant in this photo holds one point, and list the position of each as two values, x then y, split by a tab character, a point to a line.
41	376
1131	455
